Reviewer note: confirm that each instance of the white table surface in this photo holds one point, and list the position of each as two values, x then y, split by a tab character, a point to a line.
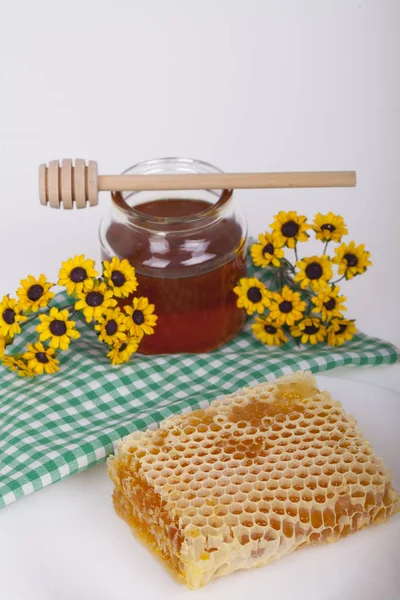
66	543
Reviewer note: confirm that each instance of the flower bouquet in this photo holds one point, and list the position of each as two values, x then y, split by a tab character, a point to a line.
303	298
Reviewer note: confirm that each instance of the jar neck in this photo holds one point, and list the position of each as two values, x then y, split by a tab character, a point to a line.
133	216
209	206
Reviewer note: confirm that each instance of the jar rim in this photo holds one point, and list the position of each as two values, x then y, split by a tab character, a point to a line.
211	211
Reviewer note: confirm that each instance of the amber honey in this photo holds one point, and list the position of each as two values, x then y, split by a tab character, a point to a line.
188	272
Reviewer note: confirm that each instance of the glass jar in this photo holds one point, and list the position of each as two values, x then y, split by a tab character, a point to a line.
189	251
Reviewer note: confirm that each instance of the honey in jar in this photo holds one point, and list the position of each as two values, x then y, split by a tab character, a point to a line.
188	250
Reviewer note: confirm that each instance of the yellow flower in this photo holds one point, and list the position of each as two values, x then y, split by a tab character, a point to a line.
40	359
268	251
10	317
112	326
9	362
290	228
340	330
77	274
352	260
120	277
2	346
57	328
95	302
17	364
328	303
315	271
141	319
122	352
309	330
268	332
34	293
329	227
252	294
286	307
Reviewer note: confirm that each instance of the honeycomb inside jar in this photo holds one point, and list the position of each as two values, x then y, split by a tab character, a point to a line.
254	476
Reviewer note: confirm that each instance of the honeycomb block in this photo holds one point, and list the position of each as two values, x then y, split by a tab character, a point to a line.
253	477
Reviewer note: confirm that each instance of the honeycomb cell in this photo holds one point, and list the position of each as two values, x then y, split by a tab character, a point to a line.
288	529
297	483
275	523
199	521
256	535
226	499
272	484
304	515
291	510
246	520
261	519
254	496
281	495
264	471
323	482
285	483
316	519
306	496
315	470
320	496
206	511
250	508
278	508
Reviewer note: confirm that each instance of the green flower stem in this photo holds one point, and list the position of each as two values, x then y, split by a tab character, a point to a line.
337	280
289	265
35	316
325	247
295	253
309	308
67	307
43	312
281	278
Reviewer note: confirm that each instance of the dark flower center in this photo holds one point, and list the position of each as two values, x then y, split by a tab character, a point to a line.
138	317
78	274
42	357
35	292
330	304
268	249
351	259
328	227
123	347
286	307
290	229
111	327
341	329
9	316
254	294
310	329
118	278
270	329
94	299
58	327
314	271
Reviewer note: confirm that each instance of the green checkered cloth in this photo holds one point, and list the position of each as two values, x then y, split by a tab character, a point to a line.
53	426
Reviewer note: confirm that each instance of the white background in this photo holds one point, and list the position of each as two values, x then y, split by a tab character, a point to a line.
246	85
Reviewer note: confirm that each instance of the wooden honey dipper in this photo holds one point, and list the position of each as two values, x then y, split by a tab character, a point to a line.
80	183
